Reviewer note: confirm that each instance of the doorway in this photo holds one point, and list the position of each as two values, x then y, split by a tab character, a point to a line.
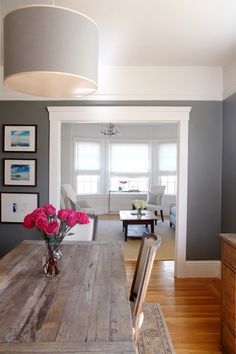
122	114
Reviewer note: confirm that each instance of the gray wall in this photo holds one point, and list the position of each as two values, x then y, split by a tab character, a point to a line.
204	197
229	165
25	113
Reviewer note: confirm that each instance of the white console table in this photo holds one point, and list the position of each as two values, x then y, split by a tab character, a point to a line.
134	194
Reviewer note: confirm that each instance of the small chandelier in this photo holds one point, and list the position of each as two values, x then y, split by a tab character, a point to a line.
110	130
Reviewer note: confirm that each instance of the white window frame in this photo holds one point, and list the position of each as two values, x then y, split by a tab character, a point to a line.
99	172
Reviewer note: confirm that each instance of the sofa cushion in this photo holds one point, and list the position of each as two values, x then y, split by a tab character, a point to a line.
173	210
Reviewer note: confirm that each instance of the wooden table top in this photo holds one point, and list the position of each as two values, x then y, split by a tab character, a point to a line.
131	215
84	309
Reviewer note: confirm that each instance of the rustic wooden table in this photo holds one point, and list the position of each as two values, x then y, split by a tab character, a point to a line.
84	309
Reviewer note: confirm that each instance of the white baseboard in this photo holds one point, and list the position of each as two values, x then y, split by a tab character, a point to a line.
200	269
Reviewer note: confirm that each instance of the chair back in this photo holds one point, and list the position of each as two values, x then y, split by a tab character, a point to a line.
150	244
68	195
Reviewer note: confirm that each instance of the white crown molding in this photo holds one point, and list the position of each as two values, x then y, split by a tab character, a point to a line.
153	97
229	80
229	92
146	84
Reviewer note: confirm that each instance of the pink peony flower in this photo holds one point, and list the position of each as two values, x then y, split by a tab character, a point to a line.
71	220
49	209
82	218
54	224
38	212
73	213
51	228
41	222
29	221
63	214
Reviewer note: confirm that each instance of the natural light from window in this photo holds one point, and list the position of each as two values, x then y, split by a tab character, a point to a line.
87	167
167	166
129	166
101	165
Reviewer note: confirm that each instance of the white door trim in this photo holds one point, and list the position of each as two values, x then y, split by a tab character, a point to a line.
123	114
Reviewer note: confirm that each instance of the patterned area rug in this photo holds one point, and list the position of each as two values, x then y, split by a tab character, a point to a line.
154	337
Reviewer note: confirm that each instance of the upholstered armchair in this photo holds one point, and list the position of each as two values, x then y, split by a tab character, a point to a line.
155	199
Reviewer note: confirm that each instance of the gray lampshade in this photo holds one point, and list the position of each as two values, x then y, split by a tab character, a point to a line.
50	51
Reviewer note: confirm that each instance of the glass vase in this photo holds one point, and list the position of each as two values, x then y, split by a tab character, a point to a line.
52	261
139	213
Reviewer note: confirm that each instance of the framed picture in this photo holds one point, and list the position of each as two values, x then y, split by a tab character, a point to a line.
19	172
15	206
19	138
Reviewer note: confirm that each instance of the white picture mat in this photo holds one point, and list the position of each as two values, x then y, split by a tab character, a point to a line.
8	138
7	172
15	206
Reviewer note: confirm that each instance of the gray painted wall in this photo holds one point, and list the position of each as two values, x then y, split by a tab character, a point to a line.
229	165
205	146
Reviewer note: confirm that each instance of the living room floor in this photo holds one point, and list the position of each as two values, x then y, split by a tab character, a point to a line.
191	307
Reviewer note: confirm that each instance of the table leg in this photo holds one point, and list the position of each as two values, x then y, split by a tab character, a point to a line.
126	231
155	212
152	226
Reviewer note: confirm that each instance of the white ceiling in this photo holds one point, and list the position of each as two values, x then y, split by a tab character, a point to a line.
157	32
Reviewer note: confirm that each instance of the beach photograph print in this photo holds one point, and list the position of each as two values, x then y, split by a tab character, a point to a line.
19	138
19	172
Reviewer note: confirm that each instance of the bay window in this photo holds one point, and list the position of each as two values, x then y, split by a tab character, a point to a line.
101	165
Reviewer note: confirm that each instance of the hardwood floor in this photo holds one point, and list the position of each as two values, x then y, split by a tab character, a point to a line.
191	308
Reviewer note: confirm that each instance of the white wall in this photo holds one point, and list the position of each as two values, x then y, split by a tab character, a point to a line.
118	201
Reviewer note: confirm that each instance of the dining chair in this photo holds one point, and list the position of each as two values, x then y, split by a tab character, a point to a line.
148	248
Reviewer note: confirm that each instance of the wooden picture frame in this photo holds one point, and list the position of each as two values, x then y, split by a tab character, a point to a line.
19	172
15	206
19	138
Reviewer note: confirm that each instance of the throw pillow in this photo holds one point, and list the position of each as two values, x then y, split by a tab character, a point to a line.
153	198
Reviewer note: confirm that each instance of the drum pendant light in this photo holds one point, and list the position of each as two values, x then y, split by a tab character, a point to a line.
50	51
